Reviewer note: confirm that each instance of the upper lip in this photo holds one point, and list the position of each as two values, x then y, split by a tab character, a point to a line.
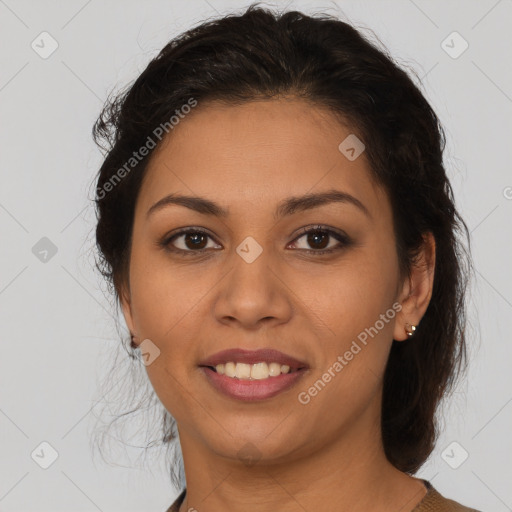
239	355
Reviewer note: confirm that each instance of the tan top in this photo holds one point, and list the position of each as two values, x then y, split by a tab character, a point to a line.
431	502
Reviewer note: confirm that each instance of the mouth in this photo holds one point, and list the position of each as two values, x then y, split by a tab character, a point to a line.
252	375
239	357
259	371
250	390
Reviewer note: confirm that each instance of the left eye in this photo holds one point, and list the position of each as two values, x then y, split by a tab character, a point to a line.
318	238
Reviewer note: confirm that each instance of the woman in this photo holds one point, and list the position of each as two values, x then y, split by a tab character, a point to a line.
280	233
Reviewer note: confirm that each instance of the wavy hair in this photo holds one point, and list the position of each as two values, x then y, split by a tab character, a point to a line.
261	54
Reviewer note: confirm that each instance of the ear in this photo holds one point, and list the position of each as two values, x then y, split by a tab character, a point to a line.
125	301
417	289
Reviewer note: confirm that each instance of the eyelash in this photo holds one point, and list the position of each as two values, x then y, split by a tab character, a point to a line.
344	239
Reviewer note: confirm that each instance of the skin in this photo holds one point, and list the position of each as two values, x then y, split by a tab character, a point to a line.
324	455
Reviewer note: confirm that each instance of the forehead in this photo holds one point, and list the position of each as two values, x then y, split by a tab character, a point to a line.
257	153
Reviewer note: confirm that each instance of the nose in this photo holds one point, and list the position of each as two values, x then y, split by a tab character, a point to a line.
253	294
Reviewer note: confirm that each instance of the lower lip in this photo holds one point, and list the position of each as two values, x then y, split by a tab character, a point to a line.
251	390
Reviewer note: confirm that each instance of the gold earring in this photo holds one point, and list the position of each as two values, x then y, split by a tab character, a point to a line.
410	330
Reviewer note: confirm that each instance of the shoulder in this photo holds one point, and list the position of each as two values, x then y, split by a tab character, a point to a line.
433	501
179	500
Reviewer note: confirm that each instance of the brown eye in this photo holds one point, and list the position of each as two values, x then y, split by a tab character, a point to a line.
195	240
318	239
187	241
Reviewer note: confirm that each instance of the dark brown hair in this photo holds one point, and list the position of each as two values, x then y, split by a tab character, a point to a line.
262	54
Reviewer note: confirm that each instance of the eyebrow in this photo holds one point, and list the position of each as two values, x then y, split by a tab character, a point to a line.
287	207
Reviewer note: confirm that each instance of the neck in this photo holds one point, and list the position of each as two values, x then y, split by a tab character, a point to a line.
349	473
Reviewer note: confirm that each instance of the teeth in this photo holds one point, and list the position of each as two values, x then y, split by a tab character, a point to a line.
230	369
274	369
242	371
256	371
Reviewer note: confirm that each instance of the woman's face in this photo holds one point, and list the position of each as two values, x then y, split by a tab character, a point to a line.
259	282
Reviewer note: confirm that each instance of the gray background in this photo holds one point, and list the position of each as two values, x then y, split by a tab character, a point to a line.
58	334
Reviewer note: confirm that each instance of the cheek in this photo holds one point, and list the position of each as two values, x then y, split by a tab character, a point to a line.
164	293
168	312
358	314
355	326
159	313
352	295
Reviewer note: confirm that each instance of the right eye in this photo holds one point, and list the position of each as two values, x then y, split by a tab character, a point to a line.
192	241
